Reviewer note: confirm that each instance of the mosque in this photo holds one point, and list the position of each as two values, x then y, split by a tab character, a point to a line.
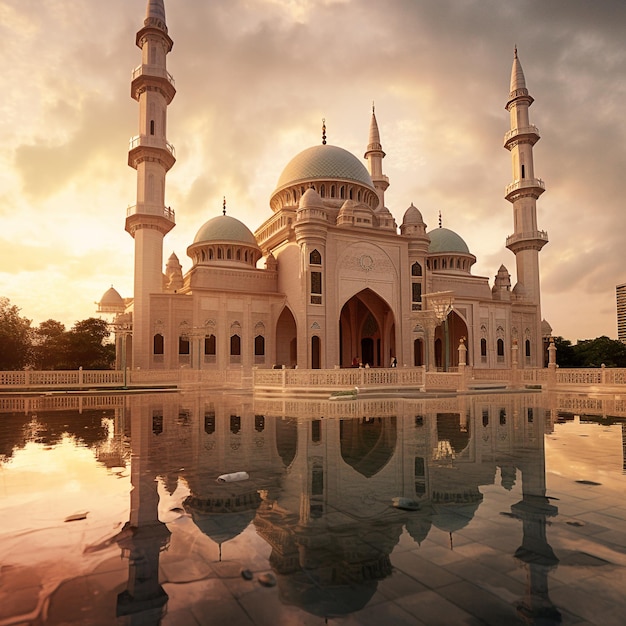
329	279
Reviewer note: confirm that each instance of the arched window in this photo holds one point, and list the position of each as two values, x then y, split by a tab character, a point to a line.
323	191
209	345
416	269
152	127
500	347
315	258
183	345
332	191
210	254
235	424
342	192
157	344
229	254
219	253
235	345
238	254
527	347
483	347
259	345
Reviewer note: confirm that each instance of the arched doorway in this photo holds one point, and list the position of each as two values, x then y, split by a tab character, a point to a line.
366	330
286	339
447	341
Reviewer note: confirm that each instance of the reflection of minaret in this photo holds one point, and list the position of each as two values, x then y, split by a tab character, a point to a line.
144	536
535	551
624	447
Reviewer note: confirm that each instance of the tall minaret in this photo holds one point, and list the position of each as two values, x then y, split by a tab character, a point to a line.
375	156
526	240
152	156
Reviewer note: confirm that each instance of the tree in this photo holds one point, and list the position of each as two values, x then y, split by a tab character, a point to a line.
50	345
86	347
602	350
15	337
565	353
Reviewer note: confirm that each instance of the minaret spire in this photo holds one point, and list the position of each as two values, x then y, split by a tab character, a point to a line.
375	155
149	220
527	240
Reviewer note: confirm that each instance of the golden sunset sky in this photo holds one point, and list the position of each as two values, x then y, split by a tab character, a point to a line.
254	80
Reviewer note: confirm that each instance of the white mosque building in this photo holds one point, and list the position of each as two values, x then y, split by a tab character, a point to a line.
328	278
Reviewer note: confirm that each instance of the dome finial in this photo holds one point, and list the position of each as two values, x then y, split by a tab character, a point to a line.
373	107
224	206
440	221
323	131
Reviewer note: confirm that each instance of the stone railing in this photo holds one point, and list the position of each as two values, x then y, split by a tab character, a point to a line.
378	380
61	378
338	379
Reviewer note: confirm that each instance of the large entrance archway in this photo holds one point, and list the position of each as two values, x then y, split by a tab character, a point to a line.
366	331
286	339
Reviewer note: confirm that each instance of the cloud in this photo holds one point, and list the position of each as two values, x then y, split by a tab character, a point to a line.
254	81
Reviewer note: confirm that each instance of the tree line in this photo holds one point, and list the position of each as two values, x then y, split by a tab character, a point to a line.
50	346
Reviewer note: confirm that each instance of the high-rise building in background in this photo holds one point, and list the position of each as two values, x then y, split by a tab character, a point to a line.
620	296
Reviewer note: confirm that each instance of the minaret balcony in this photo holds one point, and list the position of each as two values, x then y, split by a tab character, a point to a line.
154	75
525	134
532	186
143	146
535	239
153	70
147	209
150	142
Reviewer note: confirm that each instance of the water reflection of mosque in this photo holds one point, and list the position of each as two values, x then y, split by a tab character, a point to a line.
322	477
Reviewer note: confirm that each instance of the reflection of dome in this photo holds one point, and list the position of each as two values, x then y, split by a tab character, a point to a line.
222	527
446	240
216	517
453	517
227	229
418	527
325	601
324	162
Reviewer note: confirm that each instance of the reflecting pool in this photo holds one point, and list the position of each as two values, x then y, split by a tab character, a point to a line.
501	508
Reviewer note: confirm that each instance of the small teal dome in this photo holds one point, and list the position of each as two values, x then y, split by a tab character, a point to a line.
225	228
446	240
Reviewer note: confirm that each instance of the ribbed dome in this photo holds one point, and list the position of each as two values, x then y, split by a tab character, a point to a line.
111	302
324	162
309	199
225	228
445	240
412	216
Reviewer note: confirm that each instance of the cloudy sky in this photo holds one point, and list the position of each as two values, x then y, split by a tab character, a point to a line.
254	80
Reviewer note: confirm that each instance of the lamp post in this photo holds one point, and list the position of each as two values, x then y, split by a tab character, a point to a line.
122	330
441	304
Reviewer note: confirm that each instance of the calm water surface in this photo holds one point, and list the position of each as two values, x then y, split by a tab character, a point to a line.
484	509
